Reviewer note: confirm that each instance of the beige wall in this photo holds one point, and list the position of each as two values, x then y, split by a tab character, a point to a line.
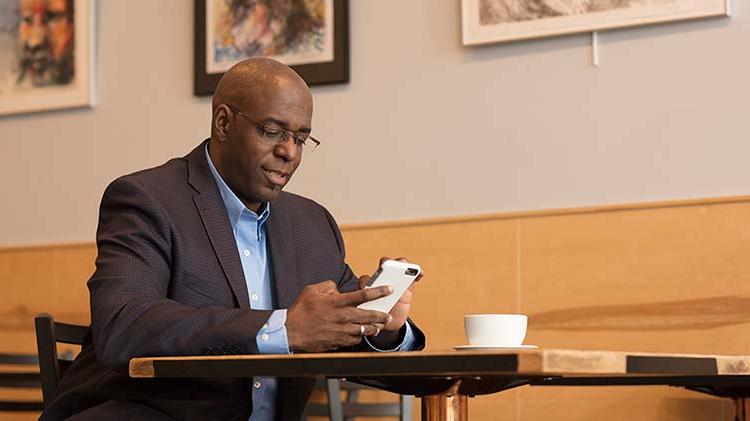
425	128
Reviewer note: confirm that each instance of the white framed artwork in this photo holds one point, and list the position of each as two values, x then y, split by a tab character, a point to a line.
46	55
488	21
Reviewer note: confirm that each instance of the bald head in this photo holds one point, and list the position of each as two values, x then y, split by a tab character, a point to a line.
250	79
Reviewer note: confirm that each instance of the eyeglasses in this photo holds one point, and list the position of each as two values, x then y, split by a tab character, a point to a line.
279	136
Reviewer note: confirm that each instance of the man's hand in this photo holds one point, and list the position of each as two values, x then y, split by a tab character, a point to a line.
323	319
399	312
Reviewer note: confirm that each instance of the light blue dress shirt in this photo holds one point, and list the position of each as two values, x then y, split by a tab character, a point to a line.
250	234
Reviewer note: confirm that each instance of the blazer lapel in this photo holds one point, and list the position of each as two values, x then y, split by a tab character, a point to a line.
216	222
283	257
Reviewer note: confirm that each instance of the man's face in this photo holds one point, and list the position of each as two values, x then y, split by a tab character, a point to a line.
253	167
46	40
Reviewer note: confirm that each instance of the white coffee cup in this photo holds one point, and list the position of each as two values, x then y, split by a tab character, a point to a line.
499	330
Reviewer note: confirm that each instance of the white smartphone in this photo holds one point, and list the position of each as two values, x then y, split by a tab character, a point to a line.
397	274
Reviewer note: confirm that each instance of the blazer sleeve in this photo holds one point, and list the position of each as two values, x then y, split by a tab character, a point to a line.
131	313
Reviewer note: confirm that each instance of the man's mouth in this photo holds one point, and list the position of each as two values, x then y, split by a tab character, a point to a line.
277	177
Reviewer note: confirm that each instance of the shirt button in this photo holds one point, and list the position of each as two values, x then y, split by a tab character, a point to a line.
246	252
264	336
256	385
254	297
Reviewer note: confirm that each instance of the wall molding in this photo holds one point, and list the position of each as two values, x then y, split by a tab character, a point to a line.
543	213
525	214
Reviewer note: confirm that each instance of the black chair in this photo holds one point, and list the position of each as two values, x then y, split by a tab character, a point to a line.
351	408
51	366
27	377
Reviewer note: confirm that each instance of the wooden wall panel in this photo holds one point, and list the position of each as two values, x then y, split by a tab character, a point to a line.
651	280
40	279
43	279
661	280
469	267
669	277
621	404
462	275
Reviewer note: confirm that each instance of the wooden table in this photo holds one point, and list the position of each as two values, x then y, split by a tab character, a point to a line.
446	380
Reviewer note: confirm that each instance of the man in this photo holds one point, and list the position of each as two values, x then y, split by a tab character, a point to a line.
206	255
46	39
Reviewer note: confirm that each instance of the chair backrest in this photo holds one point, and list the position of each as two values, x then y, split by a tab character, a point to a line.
22	374
351	407
51	366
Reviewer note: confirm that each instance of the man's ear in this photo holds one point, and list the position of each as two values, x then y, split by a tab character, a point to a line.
221	123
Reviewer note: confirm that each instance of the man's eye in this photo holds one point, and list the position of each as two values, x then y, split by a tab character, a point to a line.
300	139
273	133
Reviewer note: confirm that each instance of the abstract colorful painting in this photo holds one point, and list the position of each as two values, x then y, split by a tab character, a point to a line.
45	55
486	21
304	34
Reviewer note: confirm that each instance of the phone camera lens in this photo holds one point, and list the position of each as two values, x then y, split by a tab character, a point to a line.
411	271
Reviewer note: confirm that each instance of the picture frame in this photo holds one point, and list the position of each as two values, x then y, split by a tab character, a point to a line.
491	21
322	61
46	56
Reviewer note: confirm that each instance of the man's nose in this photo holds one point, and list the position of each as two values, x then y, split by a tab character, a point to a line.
288	150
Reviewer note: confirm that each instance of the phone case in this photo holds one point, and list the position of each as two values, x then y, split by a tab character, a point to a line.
397	274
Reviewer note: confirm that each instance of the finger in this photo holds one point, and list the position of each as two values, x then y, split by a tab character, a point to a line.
348	336
352	340
383	259
406	298
405	260
377	331
358	297
363	330
363	317
364	280
325	287
355	330
377	317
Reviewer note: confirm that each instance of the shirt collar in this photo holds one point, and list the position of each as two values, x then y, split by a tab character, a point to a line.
232	203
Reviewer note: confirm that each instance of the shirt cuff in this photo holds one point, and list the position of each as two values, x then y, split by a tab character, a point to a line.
407	344
271	338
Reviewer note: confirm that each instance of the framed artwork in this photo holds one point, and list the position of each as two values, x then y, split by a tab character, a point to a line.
311	36
487	21
46	55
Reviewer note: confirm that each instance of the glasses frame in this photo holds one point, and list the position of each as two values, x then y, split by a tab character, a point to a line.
289	134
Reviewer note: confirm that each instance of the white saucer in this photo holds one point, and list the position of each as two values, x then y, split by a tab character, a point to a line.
490	347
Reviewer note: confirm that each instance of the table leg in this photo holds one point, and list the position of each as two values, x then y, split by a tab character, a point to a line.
741	410
445	408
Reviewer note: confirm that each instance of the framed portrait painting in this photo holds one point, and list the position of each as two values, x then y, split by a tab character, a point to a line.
46	55
487	21
311	36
